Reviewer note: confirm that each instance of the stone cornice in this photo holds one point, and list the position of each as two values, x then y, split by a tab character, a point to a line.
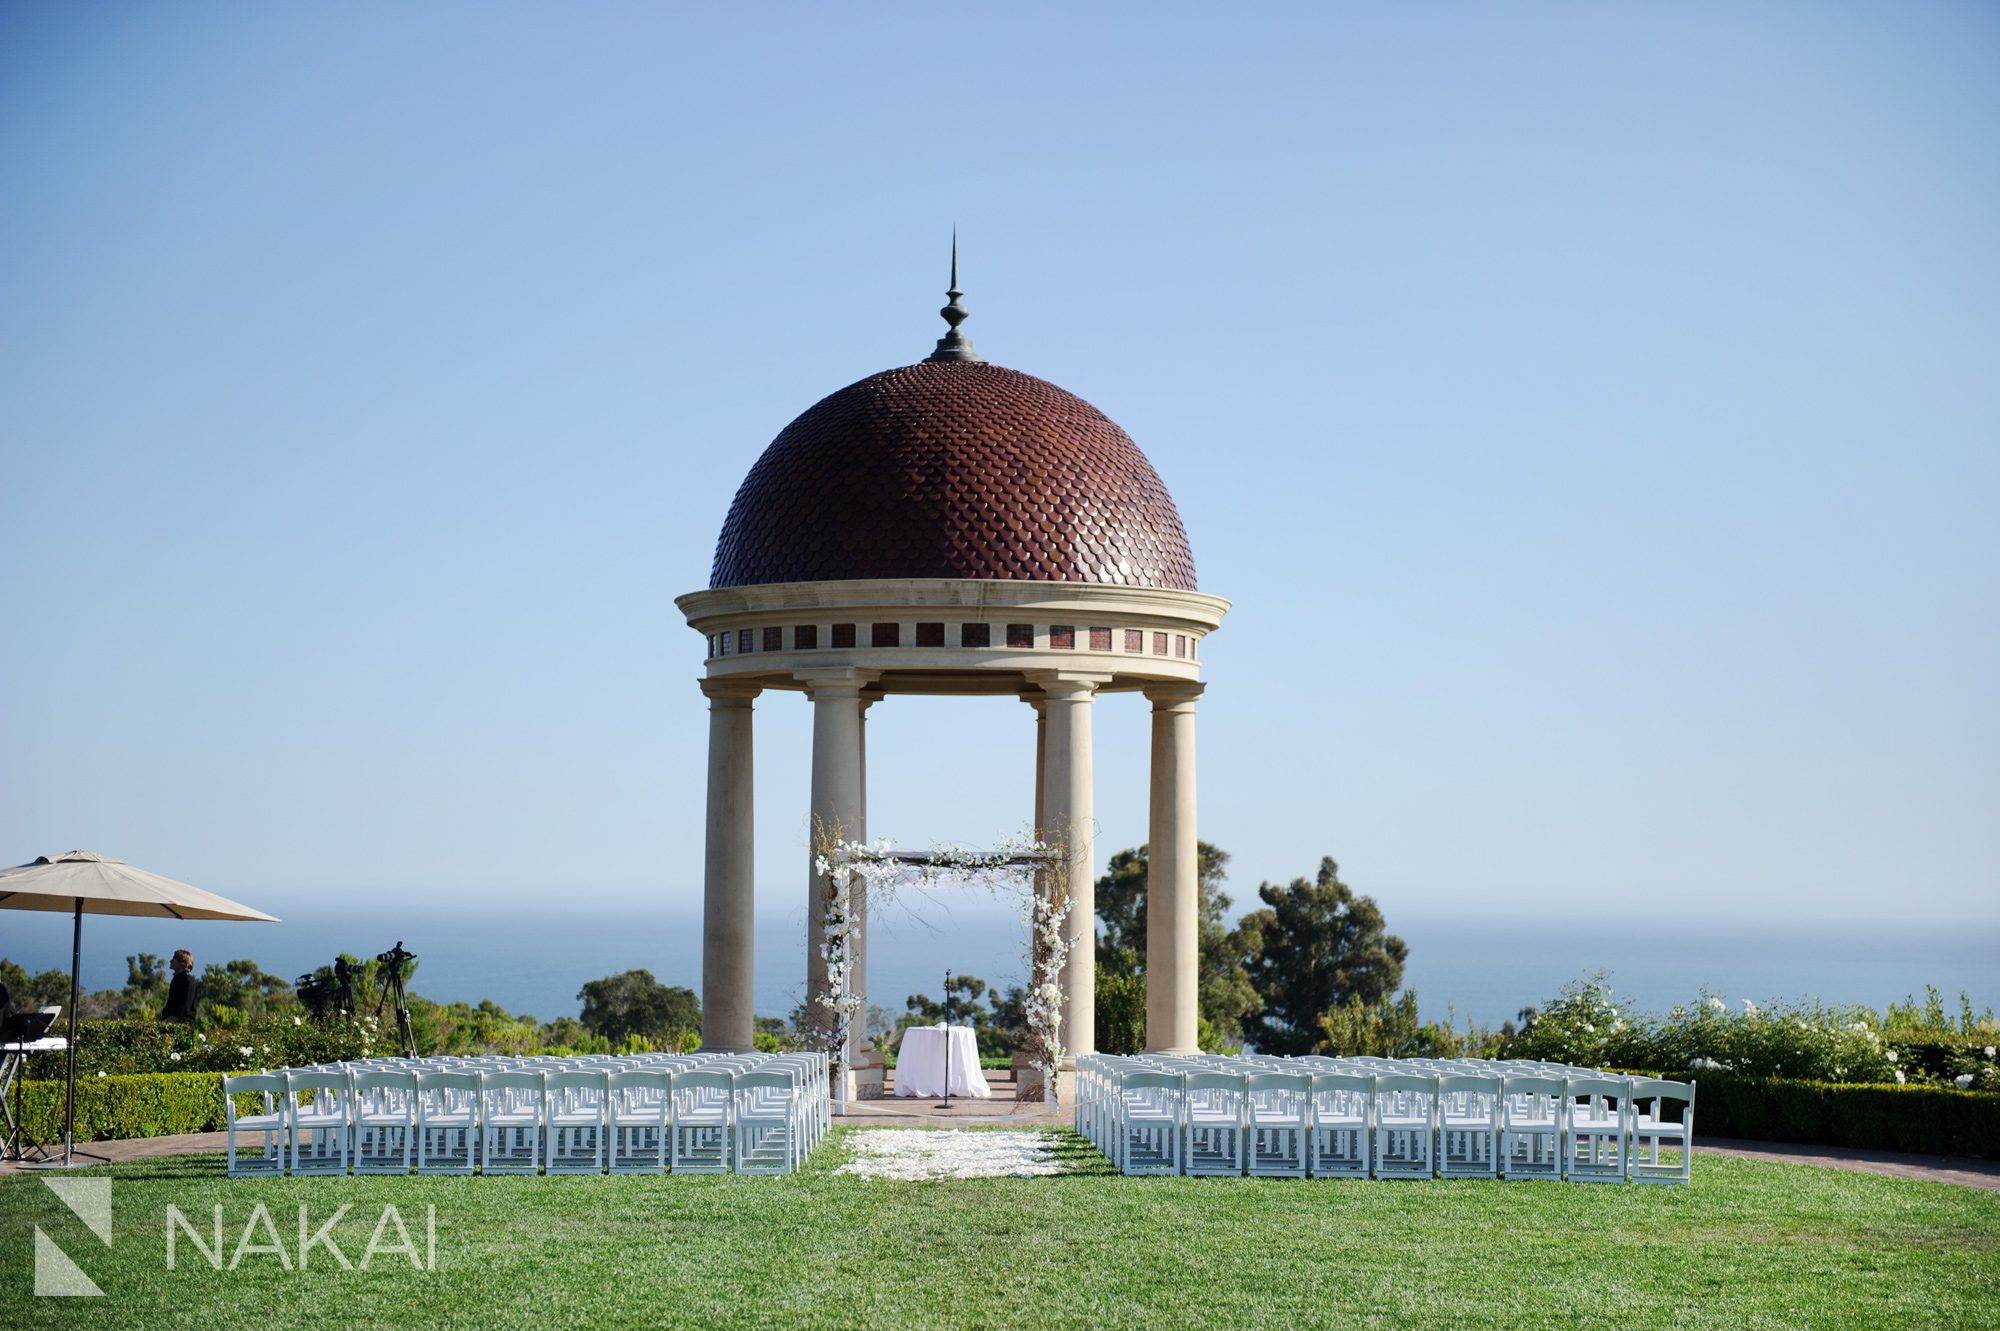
961	599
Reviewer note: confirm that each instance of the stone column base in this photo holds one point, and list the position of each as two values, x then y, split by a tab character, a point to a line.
1028	1082
871	1075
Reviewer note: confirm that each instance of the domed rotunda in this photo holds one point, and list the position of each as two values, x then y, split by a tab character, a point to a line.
953	527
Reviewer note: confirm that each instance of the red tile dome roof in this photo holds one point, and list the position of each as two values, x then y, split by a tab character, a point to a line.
953	469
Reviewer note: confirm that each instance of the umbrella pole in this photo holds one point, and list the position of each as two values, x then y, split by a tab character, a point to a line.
75	964
70	1153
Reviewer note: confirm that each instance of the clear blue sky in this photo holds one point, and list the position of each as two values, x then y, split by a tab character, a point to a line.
1592	411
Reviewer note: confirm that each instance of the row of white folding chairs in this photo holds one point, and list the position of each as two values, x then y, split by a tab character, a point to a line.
1353	1118
565	1116
760	1115
1463	1101
815	1090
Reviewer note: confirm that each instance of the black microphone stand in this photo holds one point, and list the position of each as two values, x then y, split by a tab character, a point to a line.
946	1010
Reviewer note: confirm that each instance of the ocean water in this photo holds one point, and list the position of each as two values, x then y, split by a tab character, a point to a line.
534	960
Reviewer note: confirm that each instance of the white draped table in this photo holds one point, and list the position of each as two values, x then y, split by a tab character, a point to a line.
920	1062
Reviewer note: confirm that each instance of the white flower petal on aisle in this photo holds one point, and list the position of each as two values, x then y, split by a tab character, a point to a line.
919	1154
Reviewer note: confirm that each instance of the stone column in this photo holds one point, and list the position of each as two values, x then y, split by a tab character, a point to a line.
729	878
1070	813
857	952
836	799
1173	876
1033	697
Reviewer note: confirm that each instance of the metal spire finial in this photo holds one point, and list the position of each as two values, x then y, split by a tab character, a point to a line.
955	345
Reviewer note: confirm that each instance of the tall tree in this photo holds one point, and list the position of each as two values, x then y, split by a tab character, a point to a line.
1314	946
634	1003
1227	998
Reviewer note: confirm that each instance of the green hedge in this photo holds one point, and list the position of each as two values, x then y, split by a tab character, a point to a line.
1929	1120
142	1104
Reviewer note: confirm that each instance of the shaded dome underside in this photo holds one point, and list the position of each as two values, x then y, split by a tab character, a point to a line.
953	470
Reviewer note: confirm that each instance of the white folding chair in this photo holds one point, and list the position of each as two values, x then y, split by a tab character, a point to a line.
1653	1130
511	1102
1468	1126
1143	1111
699	1124
1532	1131
1212	1123
318	1103
768	1123
573	1122
635	1119
268	1123
1277	1124
1342	1130
1598	1110
1405	1126
447	1122
385	1121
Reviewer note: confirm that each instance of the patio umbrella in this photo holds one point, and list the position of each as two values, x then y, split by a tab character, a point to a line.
81	882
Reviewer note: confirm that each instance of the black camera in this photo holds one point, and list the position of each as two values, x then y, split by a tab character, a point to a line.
395	956
313	994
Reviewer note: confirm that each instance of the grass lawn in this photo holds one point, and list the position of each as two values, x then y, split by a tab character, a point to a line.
1748	1245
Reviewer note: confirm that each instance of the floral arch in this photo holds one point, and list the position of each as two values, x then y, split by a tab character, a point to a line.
851	873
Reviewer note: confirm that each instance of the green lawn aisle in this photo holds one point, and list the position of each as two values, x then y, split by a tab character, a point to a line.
1749	1245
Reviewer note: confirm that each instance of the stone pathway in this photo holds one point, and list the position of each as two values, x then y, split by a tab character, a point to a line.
1896	1164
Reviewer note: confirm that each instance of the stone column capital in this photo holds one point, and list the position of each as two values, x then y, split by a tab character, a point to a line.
835	681
725	692
1067	685
1175	695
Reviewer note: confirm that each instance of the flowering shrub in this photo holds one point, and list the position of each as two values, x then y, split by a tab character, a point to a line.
1585	1024
141	1045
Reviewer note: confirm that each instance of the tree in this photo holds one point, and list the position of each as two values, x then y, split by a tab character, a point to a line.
999	1027
241	988
1314	946
1227	998
47	989
960	1006
635	1003
1121	1012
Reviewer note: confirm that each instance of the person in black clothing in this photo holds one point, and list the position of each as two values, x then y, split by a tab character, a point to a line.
180	994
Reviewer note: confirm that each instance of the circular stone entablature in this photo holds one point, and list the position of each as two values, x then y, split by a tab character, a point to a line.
954	635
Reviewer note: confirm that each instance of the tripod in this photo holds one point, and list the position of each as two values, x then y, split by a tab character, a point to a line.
392	987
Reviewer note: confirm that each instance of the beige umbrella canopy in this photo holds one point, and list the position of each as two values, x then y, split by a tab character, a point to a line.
111	887
83	883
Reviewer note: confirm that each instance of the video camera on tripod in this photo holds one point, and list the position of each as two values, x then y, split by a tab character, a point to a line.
313	994
392	965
